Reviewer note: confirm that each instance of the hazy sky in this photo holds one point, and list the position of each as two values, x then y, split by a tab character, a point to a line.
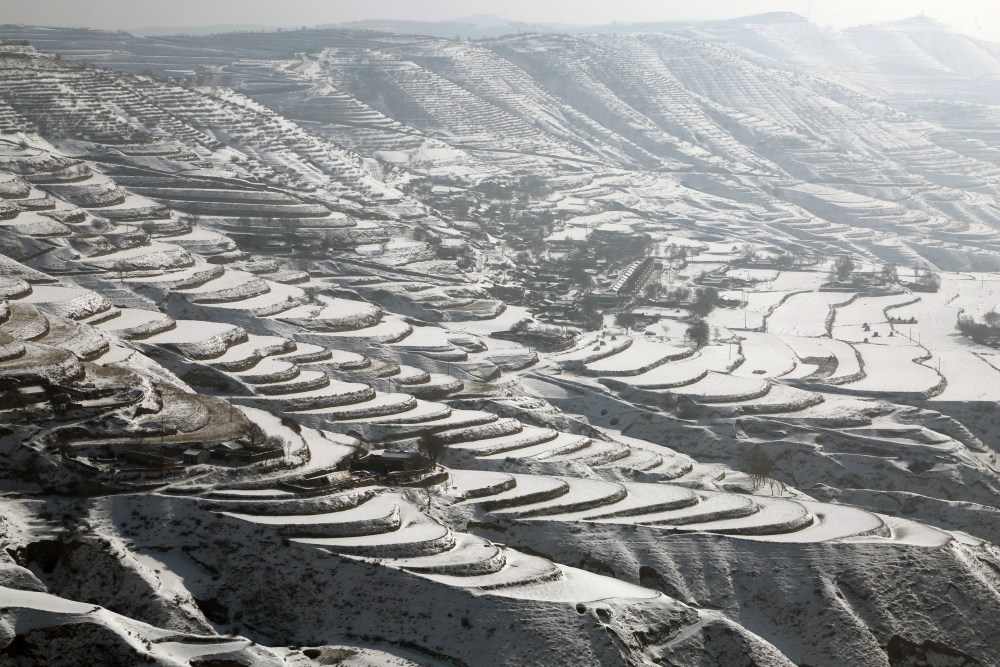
980	18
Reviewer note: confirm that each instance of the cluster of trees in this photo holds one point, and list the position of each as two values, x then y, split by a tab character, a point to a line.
521	189
626	318
257	438
432	446
591	318
927	281
793	257
843	267
985	332
678	252
705	300
679	294
889	274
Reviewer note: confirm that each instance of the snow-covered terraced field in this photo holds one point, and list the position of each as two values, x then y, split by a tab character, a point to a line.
779	398
230	286
291	249
667	507
720	388
563	444
639	357
333	315
136	323
411	535
593	348
248	353
278	299
156	257
198	339
74	303
683	372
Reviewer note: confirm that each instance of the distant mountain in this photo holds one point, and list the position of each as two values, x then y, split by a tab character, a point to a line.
201	29
471	27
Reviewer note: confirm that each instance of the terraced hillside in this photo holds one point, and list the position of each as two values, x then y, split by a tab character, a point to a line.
604	348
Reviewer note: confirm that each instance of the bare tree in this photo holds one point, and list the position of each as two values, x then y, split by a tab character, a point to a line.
432	446
757	464
698	332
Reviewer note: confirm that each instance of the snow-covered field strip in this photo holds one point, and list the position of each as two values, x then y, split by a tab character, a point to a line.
191	331
765	355
775	515
891	368
518	571
685	371
375	510
135	321
563	443
637	357
805	314
847	364
583	494
711	505
755	275
718	387
868	309
426	337
333	309
832	522
504	322
751	316
793	281
248	352
970	377
277	294
230	281
850	320
416	535
155	256
904	531
593	347
779	398
578	586
641	499
474	483
527	488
